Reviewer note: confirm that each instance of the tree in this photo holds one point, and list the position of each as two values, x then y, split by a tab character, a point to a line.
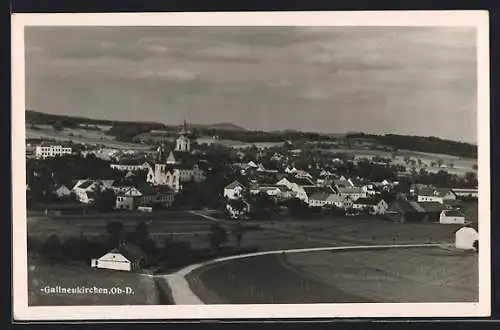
238	230
218	236
115	231
105	200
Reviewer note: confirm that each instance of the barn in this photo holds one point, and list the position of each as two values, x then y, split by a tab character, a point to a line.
466	238
126	257
452	217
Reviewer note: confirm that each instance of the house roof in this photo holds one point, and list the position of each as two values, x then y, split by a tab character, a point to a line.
453	213
320	196
301	181
312	190
85	184
368	201
130	251
350	190
406	206
234	184
431	206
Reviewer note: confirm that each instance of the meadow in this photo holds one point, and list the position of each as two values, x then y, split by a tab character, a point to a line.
81	135
382	276
44	273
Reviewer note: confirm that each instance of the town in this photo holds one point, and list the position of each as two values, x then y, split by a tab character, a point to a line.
82	196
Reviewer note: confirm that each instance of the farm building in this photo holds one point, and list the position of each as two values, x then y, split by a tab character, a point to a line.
409	211
373	205
436	195
126	257
461	192
452	217
433	211
466	238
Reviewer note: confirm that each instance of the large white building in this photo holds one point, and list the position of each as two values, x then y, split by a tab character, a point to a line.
170	172
52	151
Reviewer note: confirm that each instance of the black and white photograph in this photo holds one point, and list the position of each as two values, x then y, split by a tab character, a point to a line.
251	165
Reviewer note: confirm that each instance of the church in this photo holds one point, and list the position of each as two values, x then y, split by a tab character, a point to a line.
169	168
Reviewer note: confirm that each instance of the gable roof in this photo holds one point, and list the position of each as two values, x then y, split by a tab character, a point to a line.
453	213
431	206
130	251
368	201
301	181
85	184
234	184
312	190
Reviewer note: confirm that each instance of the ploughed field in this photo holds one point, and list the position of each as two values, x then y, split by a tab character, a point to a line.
384	276
47	277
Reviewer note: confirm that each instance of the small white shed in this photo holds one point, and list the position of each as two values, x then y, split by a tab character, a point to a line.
465	238
127	257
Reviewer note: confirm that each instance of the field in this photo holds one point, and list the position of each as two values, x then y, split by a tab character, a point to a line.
238	144
80	135
406	275
49	273
286	279
276	234
460	165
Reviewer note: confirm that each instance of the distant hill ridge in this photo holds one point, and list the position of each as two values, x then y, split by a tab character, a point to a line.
41	118
127	130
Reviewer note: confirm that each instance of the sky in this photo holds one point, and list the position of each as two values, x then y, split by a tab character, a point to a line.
400	80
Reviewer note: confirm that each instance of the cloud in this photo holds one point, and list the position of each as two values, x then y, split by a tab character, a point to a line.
157	48
107	44
174	74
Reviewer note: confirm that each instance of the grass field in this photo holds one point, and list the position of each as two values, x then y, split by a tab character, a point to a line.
277	234
403	275
398	275
49	273
80	135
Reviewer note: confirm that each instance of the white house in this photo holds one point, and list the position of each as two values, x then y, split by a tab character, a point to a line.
318	199
234	190
340	201
126	257
124	202
62	191
465	238
85	189
462	192
436	195
376	206
353	192
452	217
52	151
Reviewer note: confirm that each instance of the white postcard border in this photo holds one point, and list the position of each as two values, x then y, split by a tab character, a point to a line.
22	311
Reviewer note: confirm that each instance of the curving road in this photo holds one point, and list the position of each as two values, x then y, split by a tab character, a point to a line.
182	293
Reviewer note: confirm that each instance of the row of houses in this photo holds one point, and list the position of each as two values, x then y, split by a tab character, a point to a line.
128	197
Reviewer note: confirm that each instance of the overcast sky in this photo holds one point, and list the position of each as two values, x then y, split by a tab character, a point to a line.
419	81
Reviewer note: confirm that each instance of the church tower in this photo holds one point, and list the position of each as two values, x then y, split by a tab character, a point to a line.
183	143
